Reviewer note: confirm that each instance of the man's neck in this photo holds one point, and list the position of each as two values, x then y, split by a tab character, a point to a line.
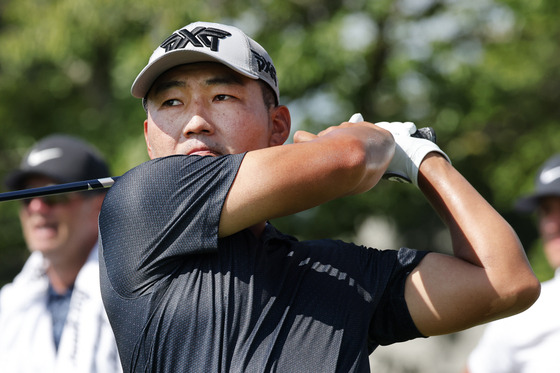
63	273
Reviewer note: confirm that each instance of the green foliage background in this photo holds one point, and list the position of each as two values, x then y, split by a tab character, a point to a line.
483	73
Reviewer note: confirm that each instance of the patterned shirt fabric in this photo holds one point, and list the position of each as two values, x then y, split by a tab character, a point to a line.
181	299
58	306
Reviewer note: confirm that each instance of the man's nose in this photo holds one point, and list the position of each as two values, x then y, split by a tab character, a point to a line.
36	204
197	125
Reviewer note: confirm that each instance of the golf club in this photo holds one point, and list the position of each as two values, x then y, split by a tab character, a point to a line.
96	184
77	186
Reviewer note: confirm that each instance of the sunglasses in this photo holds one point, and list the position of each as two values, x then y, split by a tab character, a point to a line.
52	200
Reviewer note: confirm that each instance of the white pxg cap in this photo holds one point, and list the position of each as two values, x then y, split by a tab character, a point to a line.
203	42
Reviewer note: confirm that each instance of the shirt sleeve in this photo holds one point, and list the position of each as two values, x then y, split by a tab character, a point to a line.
160	212
391	321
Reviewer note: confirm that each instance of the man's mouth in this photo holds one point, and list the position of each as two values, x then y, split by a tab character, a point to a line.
202	151
45	229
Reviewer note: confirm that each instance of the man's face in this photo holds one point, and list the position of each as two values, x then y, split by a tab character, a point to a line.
58	226
207	109
549	227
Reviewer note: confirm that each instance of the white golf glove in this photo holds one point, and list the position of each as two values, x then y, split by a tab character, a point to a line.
409	153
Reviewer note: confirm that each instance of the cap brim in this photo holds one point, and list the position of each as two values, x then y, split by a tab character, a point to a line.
152	71
530	203
14	180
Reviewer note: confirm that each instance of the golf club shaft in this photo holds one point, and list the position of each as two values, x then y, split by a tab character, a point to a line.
93	184
77	186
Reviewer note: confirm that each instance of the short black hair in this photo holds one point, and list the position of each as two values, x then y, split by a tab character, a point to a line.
269	97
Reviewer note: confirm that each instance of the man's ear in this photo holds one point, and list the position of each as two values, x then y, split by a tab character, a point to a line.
281	124
148	146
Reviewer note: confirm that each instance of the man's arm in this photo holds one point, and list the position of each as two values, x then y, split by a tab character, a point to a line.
281	180
488	277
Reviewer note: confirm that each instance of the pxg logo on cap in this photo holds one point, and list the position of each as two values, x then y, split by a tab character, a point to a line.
199	37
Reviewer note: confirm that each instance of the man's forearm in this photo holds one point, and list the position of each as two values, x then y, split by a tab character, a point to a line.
479	234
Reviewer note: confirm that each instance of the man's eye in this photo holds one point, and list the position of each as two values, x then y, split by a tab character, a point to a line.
172	102
222	97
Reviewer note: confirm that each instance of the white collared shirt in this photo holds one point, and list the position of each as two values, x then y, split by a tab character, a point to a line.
87	343
528	342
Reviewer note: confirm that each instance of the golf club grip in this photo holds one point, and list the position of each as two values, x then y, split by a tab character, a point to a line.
77	186
427	133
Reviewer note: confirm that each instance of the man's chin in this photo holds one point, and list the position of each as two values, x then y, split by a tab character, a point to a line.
46	247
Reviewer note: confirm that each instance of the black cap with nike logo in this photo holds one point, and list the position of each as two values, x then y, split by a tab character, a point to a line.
62	158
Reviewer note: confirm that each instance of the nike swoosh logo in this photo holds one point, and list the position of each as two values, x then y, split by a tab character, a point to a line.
37	157
549	176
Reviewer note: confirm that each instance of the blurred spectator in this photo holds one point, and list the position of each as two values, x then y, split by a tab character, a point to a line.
51	316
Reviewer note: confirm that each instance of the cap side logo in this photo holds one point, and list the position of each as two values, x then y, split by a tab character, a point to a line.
548	176
199	37
266	66
37	157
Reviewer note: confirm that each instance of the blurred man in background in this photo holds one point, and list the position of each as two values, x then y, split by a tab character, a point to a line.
529	342
51	316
